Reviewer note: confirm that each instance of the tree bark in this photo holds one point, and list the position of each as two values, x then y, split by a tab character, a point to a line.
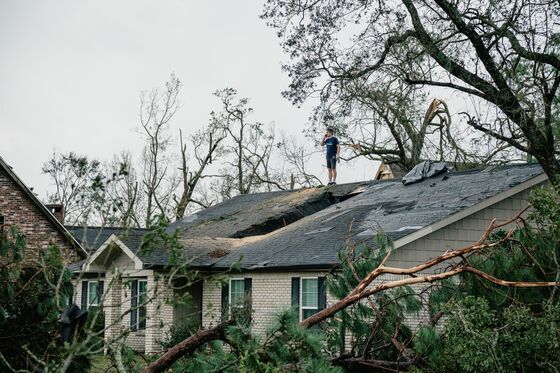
188	346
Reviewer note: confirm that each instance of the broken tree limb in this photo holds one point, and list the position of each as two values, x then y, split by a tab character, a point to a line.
364	288
188	346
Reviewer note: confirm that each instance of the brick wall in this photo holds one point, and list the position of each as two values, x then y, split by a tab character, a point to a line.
271	293
19	210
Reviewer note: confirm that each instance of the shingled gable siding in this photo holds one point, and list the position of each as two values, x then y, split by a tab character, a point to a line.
20	211
271	293
459	234
456	235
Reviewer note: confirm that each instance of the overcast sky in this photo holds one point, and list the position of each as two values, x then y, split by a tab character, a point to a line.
71	73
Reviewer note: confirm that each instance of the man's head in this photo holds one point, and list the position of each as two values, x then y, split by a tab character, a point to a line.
330	131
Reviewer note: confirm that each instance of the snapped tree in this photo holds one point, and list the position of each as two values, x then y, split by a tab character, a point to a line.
502	53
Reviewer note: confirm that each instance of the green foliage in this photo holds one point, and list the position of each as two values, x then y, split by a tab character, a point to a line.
477	338
495	328
180	332
33	293
85	187
286	347
372	322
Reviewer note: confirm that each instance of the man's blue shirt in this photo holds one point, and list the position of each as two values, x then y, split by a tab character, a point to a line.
331	144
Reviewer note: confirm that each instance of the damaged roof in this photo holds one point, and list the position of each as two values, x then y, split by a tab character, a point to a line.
306	228
260	213
91	238
399	210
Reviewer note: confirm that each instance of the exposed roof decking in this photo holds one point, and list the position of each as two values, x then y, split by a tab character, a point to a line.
313	241
259	213
397	209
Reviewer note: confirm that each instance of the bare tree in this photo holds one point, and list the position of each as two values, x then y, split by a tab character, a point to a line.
206	147
250	144
124	192
296	155
157	108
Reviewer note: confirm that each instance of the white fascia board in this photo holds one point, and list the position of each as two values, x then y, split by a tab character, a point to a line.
113	239
137	273
470	210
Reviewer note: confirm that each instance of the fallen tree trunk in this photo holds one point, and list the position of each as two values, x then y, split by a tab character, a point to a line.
188	346
364	290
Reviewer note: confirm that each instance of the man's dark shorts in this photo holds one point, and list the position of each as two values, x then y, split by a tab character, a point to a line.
331	162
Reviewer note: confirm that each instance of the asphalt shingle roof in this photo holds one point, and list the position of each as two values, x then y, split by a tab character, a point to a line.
253	228
397	209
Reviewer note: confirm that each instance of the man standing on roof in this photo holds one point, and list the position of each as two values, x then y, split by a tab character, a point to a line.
333	149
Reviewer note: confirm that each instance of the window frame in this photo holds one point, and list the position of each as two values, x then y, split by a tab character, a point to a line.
241	305
301	306
140	310
88	296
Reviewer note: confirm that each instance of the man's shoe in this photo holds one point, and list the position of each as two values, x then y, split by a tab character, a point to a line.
330	183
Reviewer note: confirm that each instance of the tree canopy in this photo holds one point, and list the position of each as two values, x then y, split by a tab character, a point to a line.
503	54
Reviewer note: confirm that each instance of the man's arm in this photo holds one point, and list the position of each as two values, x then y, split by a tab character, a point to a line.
337	149
323	141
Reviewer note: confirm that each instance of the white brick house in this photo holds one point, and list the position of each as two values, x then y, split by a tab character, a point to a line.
286	242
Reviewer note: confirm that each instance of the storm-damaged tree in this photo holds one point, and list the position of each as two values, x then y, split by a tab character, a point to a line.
392	122
250	145
123	193
206	146
499	293
157	108
503	54
296	155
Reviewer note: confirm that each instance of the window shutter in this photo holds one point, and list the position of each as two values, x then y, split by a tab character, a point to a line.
295	293
225	305
248	296
84	294
100	293
322	292
133	305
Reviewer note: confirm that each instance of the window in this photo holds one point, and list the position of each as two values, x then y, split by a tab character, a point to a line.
92	294
93	298
309	297
237	292
236	299
138	300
